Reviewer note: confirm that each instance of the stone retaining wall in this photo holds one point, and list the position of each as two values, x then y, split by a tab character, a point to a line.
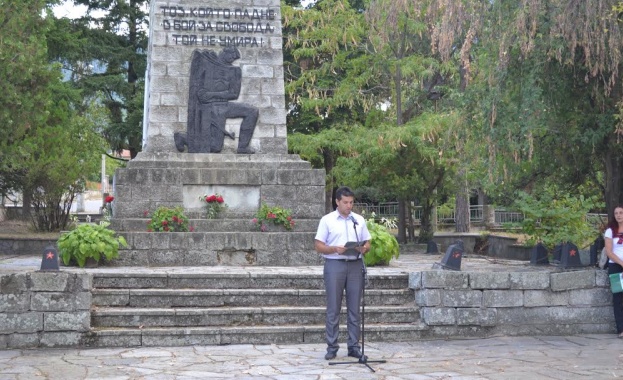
52	309
444	240
44	309
27	246
460	304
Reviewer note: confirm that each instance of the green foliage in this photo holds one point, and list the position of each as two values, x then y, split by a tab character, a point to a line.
106	52
342	64
275	215
88	240
383	245
552	218
325	66
409	162
58	159
532	100
26	77
167	219
47	148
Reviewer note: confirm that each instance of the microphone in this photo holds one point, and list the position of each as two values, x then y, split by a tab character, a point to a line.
353	219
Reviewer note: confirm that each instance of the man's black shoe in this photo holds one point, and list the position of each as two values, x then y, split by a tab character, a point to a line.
355	353
329	355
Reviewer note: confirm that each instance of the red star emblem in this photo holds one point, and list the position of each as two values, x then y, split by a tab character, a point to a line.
456	255
49	255
572	252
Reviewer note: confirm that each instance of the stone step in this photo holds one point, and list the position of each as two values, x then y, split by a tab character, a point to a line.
182	161
237	305
186	249
239	316
232	279
236	297
294	334
227	224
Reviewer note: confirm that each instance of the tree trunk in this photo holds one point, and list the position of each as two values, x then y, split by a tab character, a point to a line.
427	229
614	180
461	209
402	237
410	223
2	209
26	204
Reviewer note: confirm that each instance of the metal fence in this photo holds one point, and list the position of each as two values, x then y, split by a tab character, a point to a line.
382	210
476	214
502	217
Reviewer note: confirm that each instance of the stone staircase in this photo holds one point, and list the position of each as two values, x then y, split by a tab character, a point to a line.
234	306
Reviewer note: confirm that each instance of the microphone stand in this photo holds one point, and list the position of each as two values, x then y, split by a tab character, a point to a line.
364	278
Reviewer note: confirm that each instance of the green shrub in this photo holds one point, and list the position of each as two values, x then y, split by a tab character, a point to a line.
89	240
553	219
383	245
274	215
167	219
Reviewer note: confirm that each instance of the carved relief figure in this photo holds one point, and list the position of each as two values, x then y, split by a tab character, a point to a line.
214	82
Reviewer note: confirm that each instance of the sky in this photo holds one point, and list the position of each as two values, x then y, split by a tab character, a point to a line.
67	9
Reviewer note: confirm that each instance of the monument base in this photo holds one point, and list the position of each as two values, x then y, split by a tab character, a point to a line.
162	249
153	180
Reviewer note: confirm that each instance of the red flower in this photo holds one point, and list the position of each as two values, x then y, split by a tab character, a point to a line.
271	215
145	213
175	219
191	228
166	228
165	222
109	199
211	198
289	218
220	199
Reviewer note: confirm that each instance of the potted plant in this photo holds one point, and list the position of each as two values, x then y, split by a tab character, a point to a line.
167	219
89	243
383	245
273	215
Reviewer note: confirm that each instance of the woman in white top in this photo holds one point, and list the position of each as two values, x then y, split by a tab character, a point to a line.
614	250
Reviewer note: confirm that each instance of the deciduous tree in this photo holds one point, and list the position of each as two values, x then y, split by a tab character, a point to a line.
48	149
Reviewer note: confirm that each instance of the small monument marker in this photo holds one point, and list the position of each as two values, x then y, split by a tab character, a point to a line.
49	261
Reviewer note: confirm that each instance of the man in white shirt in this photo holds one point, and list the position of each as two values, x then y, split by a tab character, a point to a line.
343	270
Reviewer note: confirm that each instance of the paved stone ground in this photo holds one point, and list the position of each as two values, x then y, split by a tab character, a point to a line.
408	262
577	357
573	357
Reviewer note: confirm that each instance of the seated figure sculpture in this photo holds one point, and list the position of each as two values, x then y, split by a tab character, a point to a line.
214	83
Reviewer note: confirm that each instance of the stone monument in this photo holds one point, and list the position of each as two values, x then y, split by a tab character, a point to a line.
215	70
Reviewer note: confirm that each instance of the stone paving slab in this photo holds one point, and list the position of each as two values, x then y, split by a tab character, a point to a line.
406	263
547	357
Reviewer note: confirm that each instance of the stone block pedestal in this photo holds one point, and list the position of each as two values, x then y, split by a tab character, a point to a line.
152	180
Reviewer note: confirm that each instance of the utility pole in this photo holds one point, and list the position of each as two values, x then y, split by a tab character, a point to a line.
104	182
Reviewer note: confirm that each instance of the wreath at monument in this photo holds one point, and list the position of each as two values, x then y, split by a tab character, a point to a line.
215	205
167	219
273	215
